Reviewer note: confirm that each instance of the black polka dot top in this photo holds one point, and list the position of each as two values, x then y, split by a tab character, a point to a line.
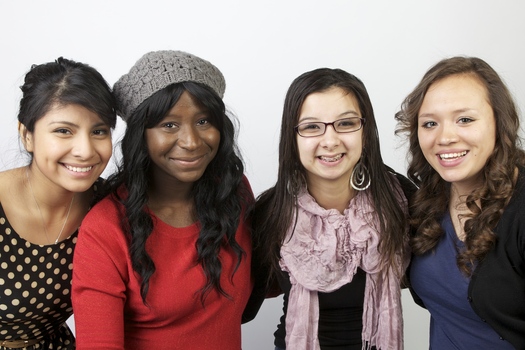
35	287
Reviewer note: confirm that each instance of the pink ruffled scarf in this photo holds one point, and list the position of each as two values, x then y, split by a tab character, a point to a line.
322	255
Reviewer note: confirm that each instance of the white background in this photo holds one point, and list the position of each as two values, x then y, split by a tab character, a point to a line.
261	47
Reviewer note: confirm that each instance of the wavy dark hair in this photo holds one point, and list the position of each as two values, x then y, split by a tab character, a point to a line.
432	198
64	82
275	208
219	195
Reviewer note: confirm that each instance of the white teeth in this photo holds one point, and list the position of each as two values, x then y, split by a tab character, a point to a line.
331	159
452	155
79	170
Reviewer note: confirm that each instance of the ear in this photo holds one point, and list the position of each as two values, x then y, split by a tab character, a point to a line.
26	136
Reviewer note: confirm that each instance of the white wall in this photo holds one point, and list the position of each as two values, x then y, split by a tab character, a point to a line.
261	47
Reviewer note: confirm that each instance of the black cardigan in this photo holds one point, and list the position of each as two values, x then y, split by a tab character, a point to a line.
497	288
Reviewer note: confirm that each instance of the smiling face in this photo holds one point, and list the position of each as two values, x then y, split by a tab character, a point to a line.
71	147
331	156
183	143
457	129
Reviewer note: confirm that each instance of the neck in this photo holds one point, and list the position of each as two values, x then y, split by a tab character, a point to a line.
172	204
170	193
459	212
49	195
51	211
332	194
459	193
464	188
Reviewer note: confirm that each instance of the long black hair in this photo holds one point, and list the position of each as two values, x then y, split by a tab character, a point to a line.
219	195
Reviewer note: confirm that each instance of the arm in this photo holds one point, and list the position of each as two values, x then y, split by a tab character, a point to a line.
254	303
99	282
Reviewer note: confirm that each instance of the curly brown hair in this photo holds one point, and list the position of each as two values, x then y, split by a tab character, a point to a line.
432	198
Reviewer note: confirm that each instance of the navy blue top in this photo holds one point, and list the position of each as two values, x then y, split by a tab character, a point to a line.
437	280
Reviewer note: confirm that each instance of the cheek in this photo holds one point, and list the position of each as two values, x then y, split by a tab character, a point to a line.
485	136
49	149
155	142
105	149
212	138
303	148
420	137
424	141
353	143
357	143
488	144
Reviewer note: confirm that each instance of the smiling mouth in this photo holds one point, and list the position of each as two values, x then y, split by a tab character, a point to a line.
452	156
189	161
331	159
79	169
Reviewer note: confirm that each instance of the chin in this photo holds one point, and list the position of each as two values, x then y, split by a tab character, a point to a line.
189	179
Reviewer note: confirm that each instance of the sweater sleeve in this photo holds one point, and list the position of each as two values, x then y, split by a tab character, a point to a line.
99	280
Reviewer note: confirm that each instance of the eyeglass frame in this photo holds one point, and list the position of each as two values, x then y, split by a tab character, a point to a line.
296	128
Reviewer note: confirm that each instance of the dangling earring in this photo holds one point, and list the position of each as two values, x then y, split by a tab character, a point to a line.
360	178
294	184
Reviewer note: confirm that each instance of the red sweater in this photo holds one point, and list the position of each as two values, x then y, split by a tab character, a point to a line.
108	309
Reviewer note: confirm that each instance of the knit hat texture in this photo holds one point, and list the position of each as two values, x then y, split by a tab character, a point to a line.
158	69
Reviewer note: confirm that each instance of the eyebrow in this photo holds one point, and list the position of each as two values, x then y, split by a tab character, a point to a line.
68	123
198	114
347	114
457	111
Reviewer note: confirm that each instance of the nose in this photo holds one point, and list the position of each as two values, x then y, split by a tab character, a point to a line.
330	139
189	138
447	134
83	147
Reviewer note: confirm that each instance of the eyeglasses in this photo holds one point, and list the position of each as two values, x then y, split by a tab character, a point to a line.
312	129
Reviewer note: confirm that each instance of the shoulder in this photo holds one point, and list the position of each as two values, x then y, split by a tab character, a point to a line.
102	228
99	187
247	189
246	183
406	185
516	204
519	191
511	225
107	211
10	181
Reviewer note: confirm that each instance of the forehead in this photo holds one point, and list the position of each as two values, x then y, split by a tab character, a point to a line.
72	113
329	103
459	88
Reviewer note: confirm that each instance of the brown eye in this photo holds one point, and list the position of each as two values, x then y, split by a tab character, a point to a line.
203	122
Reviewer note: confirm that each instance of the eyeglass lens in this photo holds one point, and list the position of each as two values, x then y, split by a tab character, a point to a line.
319	128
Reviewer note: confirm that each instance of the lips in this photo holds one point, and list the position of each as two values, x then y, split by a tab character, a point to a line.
331	159
188	160
452	156
78	169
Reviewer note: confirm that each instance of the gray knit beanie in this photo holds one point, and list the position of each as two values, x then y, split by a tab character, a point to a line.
158	69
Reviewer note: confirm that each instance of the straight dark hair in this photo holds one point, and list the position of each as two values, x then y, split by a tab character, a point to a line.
274	209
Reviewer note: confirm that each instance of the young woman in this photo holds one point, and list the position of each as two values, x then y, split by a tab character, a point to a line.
65	120
468	267
332	231
163	262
